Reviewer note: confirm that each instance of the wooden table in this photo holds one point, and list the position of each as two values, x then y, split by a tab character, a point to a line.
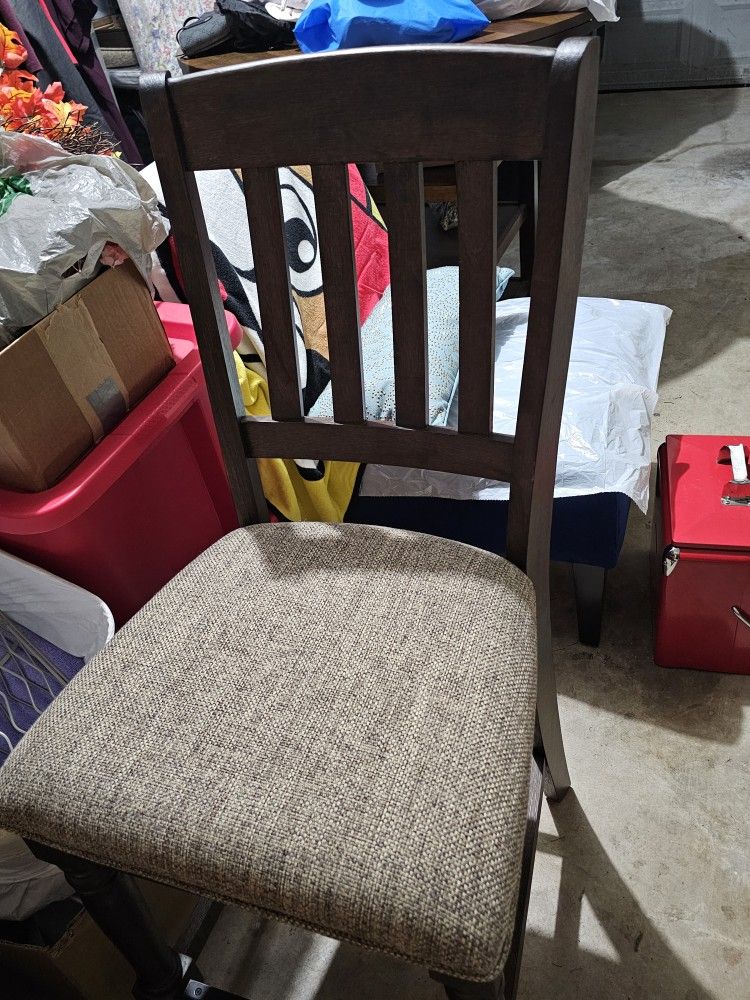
517	210
543	29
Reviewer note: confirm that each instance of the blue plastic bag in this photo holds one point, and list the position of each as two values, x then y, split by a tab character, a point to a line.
348	24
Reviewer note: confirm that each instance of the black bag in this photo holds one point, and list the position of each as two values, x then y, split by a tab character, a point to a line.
253	28
206	35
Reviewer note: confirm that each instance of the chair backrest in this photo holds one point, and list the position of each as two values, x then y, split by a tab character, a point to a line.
472	106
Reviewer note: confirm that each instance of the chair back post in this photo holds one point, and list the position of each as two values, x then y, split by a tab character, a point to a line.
201	286
563	197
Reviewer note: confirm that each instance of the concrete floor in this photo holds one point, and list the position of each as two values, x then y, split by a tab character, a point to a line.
642	881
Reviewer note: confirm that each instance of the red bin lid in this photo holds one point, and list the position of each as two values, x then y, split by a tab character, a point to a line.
698	475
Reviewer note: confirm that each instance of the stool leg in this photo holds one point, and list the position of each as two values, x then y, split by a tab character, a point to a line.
589	583
115	904
461	989
527	233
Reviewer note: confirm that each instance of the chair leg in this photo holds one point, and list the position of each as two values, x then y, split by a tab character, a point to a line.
512	968
461	989
506	987
556	776
589	583
116	905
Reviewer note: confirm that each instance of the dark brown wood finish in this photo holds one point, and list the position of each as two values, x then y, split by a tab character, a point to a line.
116	905
188	227
436	448
512	969
266	217
565	169
439	184
396	127
406	248
563	195
201	922
589	583
527	234
333	213
460	989
537	29
477	257
442	246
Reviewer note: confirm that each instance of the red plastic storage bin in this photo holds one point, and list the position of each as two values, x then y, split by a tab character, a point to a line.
143	503
701	557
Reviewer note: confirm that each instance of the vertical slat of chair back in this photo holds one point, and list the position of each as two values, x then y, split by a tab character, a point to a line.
553	94
477	256
404	185
266	218
334	215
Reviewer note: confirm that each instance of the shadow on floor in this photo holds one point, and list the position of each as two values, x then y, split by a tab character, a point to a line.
701	275
662	134
668	216
632	960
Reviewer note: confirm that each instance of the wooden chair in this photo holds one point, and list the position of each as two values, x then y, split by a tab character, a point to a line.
336	724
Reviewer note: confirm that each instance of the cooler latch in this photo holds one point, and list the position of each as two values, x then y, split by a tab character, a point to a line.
670	560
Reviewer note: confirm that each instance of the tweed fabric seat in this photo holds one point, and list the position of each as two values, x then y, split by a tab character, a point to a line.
331	724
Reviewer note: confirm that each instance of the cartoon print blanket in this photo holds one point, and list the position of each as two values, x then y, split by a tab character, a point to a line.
300	489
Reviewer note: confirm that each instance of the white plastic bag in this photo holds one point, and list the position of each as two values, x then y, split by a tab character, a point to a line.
82	625
605	437
51	241
58	611
496	10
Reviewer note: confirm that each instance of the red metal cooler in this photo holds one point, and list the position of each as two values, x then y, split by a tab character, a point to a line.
143	503
702	554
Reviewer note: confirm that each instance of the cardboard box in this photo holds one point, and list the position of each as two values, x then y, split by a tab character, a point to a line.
83	964
71	378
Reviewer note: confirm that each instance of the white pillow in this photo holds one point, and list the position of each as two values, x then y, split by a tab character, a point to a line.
605	438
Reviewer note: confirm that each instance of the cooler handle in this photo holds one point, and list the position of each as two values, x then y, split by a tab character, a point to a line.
736	492
739	463
740	615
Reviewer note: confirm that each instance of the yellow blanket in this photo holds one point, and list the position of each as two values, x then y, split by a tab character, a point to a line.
314	490
295	498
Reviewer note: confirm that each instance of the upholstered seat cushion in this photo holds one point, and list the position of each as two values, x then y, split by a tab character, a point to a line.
332	724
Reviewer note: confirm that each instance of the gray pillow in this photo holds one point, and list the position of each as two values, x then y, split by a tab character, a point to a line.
442	352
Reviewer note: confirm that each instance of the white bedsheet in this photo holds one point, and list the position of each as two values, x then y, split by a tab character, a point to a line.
605	440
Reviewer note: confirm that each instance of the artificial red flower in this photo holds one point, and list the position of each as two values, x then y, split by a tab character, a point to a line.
33	109
17	79
12	53
23	106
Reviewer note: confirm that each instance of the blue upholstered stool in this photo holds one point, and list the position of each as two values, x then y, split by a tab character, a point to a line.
587	531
